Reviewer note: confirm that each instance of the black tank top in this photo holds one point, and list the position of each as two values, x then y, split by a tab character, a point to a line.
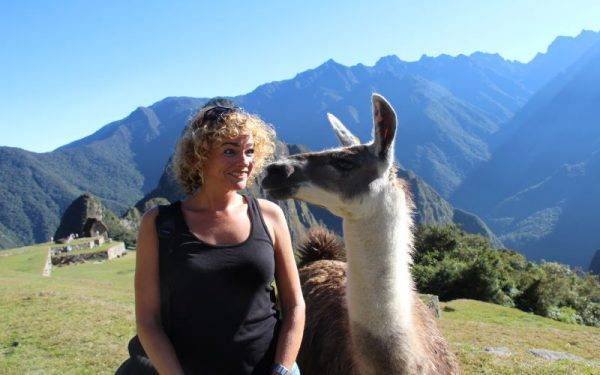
223	314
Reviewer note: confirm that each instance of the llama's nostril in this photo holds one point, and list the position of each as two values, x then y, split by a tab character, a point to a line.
273	169
288	170
280	170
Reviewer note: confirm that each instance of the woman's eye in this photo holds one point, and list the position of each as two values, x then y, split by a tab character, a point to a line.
229	152
250	151
343	165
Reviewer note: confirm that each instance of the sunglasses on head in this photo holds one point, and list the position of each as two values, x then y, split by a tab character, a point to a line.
216	113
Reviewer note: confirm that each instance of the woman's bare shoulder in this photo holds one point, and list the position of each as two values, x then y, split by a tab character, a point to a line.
270	209
147	237
151	214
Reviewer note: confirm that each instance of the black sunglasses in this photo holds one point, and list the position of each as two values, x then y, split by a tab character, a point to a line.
217	112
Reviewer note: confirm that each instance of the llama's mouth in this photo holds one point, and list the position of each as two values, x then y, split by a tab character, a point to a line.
278	185
285	192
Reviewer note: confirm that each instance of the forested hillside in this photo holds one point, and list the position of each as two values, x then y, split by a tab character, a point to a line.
541	185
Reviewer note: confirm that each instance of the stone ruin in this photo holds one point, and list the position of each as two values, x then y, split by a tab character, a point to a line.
63	256
95	228
77	216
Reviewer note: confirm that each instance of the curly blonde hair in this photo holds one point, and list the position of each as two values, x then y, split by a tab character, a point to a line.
201	134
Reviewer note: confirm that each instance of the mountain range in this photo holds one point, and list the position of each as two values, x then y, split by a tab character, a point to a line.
457	117
543	183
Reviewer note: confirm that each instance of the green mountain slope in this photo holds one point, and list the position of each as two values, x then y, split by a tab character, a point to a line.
36	188
119	164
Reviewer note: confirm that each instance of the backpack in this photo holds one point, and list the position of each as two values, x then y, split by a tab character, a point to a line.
138	362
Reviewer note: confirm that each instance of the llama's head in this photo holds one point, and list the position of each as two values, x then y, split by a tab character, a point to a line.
344	180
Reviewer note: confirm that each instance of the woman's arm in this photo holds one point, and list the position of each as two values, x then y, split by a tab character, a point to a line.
288	286
147	299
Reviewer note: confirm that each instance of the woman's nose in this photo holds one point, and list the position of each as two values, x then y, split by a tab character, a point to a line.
246	159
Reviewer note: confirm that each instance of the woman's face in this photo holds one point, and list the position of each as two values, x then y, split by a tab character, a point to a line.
229	163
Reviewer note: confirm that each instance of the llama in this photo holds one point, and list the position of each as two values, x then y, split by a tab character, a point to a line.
363	315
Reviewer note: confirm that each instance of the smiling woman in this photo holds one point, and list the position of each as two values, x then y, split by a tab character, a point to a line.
217	269
219	121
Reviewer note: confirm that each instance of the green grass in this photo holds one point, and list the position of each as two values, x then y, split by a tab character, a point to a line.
76	241
24	260
26	249
80	319
470	326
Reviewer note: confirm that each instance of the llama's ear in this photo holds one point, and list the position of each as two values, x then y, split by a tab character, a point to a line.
384	127
344	135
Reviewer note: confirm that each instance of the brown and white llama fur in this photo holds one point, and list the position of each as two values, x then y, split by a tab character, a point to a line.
363	316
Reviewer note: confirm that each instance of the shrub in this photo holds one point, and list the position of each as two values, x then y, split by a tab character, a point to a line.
453	264
564	314
590	314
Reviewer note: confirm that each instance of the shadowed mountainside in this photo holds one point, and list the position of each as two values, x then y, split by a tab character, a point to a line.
541	185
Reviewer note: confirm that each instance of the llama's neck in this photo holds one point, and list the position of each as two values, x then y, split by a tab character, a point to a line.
380	288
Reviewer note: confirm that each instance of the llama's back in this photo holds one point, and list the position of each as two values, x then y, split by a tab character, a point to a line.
326	344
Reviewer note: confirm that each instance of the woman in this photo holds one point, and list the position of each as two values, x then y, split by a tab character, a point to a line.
229	248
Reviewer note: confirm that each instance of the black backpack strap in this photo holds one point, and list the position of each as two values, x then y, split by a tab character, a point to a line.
165	228
138	362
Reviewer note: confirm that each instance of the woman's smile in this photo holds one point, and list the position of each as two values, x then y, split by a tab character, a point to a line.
240	175
231	162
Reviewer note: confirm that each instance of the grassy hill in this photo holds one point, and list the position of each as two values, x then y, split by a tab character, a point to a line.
80	319
76	321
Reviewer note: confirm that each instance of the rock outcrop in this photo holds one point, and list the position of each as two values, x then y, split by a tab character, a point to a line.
86	215
94	227
553	355
77	214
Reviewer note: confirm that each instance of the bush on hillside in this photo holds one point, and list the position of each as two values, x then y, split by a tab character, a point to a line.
117	231
564	314
590	314
454	264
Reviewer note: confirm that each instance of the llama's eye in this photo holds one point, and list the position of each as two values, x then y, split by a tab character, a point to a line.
343	165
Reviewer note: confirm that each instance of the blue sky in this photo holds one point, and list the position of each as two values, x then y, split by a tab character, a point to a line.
69	67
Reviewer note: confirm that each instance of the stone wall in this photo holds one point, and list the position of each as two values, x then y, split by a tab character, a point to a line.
60	258
116	251
48	266
94	242
65	260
